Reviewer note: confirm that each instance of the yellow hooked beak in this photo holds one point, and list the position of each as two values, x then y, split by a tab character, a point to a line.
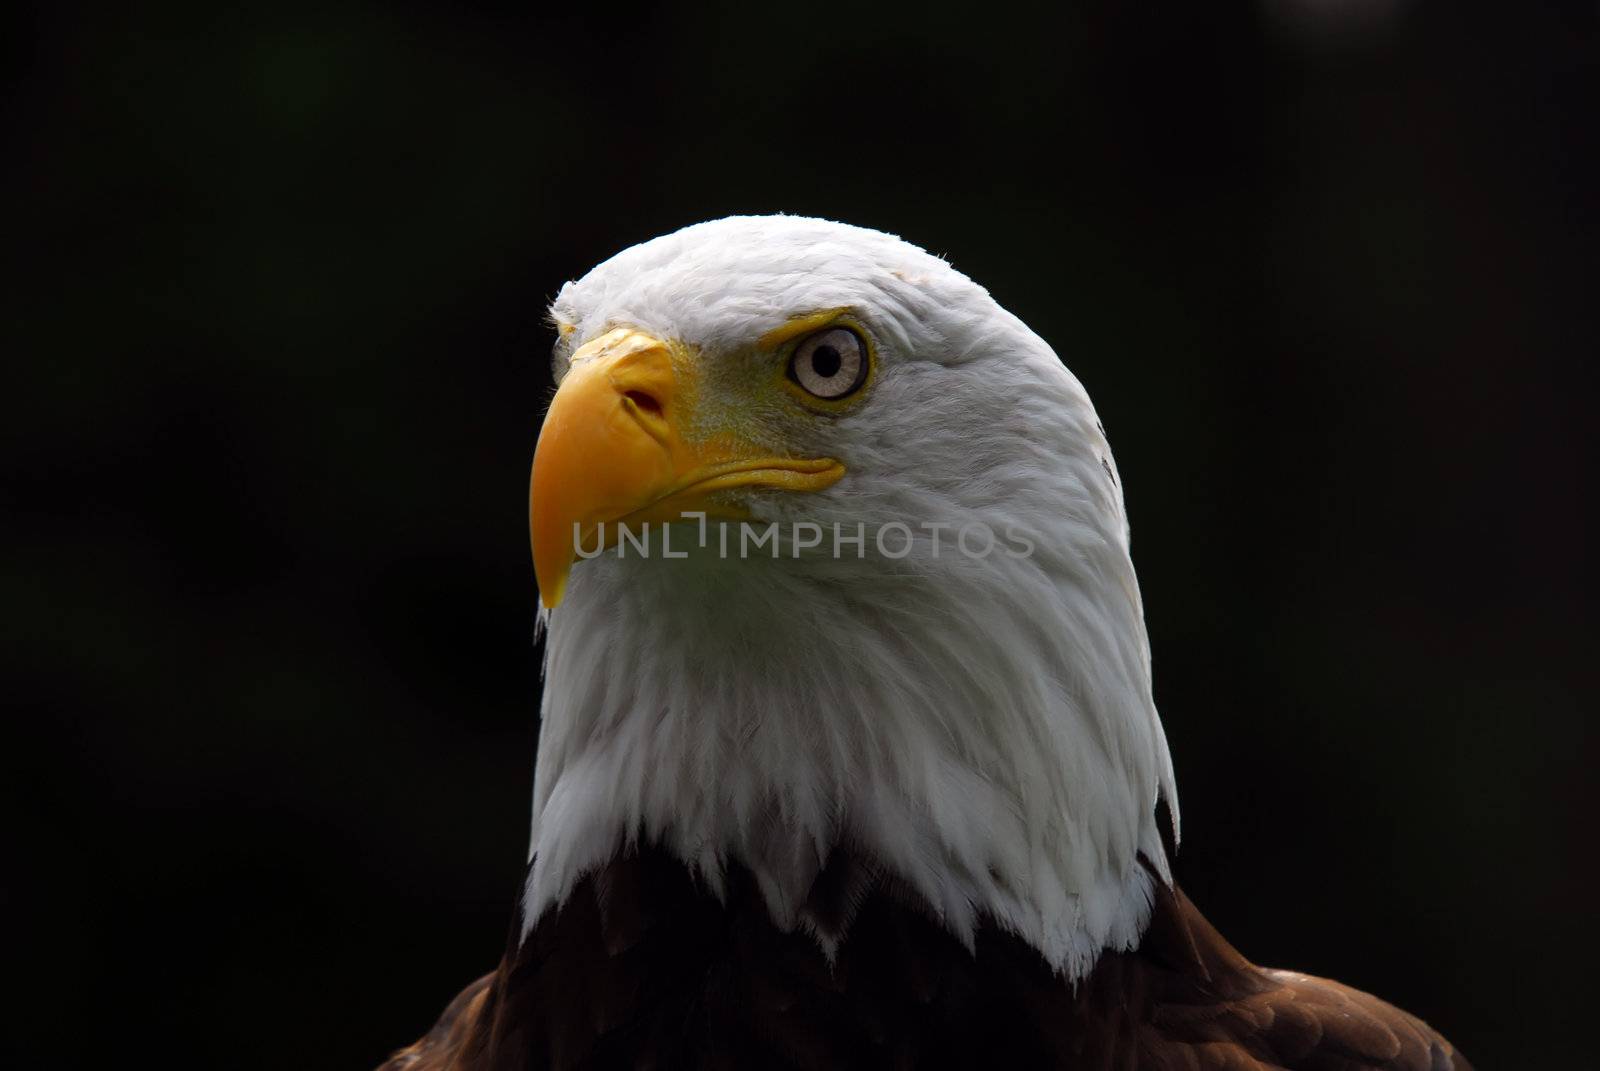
617	449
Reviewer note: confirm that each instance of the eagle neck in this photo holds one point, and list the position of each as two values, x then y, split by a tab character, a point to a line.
992	753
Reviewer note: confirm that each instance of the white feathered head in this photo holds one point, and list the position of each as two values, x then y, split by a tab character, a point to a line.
900	617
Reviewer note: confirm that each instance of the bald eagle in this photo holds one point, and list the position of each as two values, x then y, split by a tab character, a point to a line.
848	753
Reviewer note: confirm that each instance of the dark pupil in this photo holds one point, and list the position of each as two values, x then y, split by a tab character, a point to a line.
826	361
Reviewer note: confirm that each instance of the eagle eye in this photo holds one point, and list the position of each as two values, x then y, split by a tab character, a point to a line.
830	364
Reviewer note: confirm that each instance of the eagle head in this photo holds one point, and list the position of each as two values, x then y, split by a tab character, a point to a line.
833	555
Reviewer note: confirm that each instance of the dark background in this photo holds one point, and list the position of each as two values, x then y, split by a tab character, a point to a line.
277	368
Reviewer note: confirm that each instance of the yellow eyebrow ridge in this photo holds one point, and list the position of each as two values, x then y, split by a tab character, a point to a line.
799	325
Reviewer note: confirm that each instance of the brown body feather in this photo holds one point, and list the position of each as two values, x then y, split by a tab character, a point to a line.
643	967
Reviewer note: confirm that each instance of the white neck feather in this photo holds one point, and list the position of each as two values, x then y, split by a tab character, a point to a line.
993	744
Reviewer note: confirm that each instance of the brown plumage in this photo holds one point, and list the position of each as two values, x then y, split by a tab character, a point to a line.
643	967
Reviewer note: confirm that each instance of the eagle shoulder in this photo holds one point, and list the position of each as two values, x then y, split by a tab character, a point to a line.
449	1043
1209	1007
646	966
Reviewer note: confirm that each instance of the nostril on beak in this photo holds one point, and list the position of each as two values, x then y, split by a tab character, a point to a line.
644	402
